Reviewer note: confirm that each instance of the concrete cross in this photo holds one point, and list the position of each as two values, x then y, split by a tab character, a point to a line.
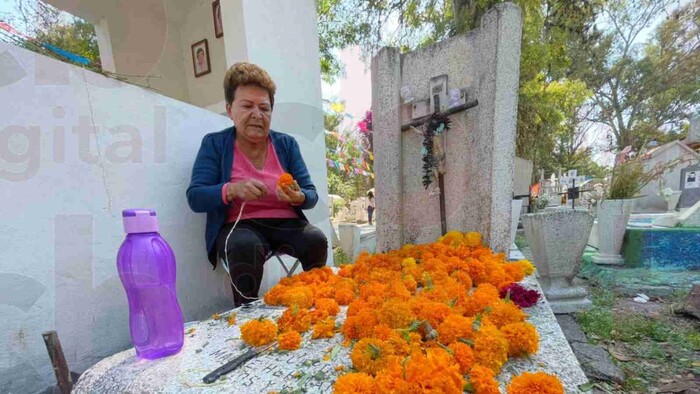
449	102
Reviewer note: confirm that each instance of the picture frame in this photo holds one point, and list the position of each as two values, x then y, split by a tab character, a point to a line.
201	64
218	23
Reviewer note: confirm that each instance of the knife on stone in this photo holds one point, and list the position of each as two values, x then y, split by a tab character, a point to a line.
233	364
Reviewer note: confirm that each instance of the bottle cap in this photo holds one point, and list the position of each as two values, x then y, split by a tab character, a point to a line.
139	221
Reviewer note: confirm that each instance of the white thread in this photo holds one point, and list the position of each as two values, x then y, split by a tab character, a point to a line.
226	266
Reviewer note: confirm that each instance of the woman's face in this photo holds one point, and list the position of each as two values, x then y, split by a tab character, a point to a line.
251	112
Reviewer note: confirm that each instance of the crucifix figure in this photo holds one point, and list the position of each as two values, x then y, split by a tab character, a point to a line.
436	123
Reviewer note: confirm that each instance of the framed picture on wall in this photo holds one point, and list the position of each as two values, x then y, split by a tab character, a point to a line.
218	25
200	58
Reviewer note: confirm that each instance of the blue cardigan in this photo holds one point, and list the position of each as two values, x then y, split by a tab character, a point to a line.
212	169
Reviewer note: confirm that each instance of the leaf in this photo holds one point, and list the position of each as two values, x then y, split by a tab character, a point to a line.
477	322
586	386
618	354
468	342
415	325
448	350
335	351
304	379
468	387
320	375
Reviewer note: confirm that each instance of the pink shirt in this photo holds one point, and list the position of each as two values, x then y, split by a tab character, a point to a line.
267	207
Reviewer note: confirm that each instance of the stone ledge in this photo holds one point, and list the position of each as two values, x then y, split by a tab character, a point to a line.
213	343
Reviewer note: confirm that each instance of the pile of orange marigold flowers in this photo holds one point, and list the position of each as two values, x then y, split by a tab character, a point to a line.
422	318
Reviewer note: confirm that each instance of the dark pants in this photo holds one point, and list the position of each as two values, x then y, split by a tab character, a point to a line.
370	211
252	240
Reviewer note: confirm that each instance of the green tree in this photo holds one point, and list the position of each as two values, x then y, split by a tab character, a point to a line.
345	184
47	24
553	33
645	91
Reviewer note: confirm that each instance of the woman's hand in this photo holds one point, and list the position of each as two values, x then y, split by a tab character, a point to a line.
249	189
292	195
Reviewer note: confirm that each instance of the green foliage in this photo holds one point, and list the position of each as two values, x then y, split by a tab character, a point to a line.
76	36
339	257
48	24
653	347
646	91
520	241
573	76
629	177
553	32
350	186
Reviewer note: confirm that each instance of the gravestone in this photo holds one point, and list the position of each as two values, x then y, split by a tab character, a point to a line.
690	186
312	369
481	66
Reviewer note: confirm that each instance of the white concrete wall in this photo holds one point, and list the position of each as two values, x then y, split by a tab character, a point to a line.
63	185
197	25
148	43
650	200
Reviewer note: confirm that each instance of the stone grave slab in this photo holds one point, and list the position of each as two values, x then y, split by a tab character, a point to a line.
209	344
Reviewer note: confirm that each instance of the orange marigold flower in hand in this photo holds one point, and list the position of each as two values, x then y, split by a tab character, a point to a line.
370	355
290	340
258	332
286	179
354	383
483	380
463	354
324	329
538	382
522	339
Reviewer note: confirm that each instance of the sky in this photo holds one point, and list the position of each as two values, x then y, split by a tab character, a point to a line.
7	7
355	88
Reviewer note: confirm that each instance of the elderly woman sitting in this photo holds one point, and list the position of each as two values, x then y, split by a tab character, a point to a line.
235	181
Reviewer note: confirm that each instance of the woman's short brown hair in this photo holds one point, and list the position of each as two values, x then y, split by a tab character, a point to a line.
245	73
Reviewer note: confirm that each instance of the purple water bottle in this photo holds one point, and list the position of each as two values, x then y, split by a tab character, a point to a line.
146	266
